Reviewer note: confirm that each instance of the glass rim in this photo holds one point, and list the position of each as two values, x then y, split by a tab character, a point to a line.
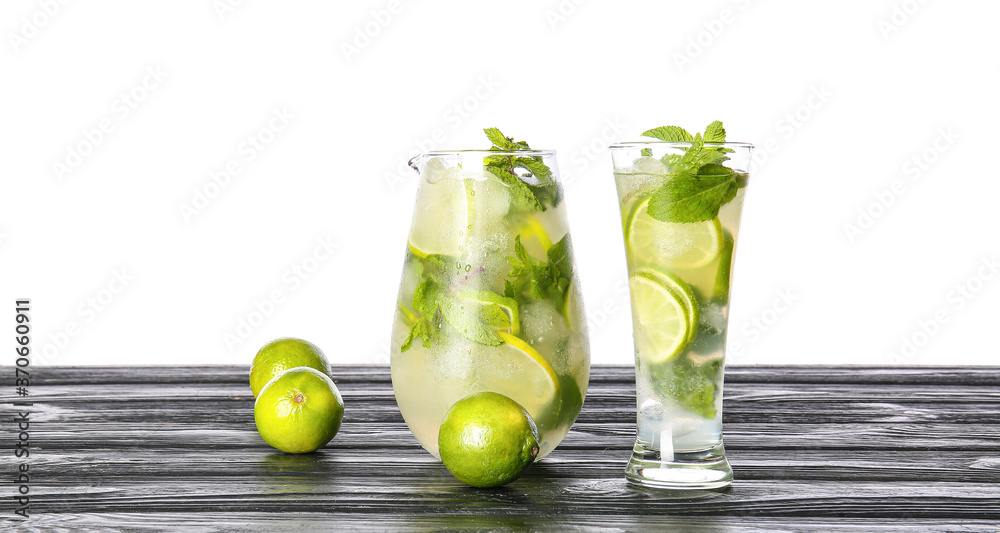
487	153
677	144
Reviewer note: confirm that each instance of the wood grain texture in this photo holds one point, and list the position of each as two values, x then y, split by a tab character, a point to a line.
813	448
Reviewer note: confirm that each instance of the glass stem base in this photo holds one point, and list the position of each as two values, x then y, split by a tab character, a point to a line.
707	469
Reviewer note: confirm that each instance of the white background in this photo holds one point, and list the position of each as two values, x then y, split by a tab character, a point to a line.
839	97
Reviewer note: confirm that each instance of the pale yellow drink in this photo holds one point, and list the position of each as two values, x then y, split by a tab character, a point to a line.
467	224
680	204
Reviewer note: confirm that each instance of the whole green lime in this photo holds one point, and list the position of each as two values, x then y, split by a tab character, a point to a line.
280	355
487	440
299	411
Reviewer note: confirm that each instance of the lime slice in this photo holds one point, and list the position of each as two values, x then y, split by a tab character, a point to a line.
665	311
684	291
522	348
534	383
518	349
534	238
669	244
572	310
417	252
721	292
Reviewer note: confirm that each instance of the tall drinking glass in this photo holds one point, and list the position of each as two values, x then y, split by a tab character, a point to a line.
681	207
489	299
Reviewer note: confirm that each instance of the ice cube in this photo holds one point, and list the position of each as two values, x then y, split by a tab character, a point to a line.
649	165
650	424
453	361
713	318
646	176
490	200
437	169
488	251
542	324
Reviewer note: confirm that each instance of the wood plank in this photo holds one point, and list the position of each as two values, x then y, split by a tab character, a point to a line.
306	522
236	435
431	490
349	458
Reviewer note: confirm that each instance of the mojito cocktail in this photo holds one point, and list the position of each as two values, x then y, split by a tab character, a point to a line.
489	299
681	201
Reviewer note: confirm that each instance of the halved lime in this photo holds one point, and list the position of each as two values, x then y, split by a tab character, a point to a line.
671	244
666	313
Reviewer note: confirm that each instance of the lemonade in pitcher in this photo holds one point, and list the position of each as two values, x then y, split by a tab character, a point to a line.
489	299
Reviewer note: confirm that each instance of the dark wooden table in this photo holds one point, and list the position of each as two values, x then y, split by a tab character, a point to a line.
813	448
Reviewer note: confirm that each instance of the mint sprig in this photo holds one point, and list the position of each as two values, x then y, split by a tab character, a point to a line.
436	302
525	196
698	184
540	279
426	319
689	384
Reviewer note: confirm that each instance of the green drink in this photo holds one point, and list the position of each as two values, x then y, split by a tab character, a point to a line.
681	201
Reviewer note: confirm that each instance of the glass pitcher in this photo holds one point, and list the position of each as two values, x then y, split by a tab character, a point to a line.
489	298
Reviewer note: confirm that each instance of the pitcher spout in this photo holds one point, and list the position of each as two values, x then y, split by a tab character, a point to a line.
415	161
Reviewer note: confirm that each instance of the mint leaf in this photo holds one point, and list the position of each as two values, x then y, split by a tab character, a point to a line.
466	320
536	195
698	155
426	301
561	259
538	279
502	142
522	198
646	152
692	156
669	134
508	290
438	299
715	133
697	184
538	169
689	384
520	264
691	198
497	312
